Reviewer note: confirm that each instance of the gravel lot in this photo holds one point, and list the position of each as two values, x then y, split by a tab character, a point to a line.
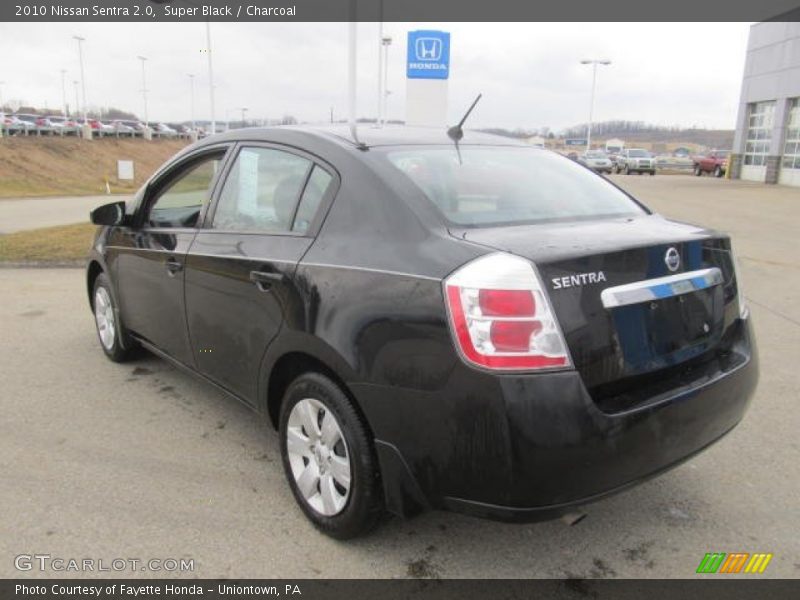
142	461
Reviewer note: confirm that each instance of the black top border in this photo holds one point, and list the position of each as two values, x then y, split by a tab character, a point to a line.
148	11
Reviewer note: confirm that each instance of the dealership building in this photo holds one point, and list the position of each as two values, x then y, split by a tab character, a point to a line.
766	146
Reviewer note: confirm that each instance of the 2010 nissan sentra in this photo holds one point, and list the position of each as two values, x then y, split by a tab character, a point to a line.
476	326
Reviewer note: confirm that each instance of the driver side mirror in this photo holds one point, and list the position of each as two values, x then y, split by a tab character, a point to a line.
108	214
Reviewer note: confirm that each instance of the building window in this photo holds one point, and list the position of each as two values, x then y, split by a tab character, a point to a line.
759	133
791	151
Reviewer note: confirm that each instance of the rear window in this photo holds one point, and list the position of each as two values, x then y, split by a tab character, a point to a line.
494	185
638	153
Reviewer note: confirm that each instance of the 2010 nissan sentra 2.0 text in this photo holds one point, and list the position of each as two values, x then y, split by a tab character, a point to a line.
430	321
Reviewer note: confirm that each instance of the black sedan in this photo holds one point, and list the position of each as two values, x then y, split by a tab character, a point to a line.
477	326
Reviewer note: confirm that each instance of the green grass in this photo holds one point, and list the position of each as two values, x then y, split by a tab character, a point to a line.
49	244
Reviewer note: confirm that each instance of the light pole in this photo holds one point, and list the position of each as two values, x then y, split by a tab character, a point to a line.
80	41
385	42
2	83
144	91
77	103
380	62
64	91
244	110
594	63
210	79
191	99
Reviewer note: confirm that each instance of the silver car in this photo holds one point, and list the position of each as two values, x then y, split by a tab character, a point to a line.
596	160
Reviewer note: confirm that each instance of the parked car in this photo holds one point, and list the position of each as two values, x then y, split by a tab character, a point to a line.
25	123
101	128
715	162
596	160
53	124
482	327
163	130
124	128
635	160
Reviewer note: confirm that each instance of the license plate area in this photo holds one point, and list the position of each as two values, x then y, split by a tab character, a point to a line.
664	332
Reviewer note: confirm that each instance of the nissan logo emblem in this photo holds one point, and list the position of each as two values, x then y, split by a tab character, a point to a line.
672	259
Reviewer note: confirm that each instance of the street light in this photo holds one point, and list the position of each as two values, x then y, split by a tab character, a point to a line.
386	41
210	79
594	63
2	83
77	103
64	91
80	41
191	99
144	91
244	110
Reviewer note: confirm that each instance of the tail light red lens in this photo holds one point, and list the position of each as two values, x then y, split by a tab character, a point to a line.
507	303
501	317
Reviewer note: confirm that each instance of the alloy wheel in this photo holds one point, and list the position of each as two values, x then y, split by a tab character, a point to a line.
104	317
318	457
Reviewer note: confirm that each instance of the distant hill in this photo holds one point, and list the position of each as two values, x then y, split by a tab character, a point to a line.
632	132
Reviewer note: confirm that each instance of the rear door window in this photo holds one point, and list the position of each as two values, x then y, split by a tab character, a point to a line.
261	191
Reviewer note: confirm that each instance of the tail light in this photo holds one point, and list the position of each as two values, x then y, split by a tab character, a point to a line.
501	317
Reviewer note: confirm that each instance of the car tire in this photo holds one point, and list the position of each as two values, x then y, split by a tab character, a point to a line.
717	171
627	170
331	465
698	171
115	342
652	173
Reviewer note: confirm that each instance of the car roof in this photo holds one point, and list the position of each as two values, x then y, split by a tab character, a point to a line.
372	136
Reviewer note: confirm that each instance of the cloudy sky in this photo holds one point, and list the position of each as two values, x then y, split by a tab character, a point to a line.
669	74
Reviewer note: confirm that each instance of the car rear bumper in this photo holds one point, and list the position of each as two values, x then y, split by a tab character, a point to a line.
541	444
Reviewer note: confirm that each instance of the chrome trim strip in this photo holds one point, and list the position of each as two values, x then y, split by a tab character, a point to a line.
660	287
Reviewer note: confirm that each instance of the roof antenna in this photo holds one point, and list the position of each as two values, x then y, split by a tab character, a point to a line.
351	75
456	132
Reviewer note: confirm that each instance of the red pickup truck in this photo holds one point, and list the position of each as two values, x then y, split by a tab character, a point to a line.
716	162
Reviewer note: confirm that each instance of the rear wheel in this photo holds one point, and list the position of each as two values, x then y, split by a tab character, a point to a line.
328	458
717	171
698	171
106	318
627	170
652	173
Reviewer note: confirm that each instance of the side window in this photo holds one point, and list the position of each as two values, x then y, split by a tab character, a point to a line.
317	186
261	191
180	203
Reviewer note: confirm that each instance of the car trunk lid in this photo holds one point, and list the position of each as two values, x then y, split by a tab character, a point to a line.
624	311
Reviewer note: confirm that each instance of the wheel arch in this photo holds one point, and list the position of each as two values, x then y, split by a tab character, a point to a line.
93	271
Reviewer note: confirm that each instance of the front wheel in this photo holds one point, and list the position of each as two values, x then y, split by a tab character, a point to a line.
652	173
106	318
627	170
329	459
698	171
718	171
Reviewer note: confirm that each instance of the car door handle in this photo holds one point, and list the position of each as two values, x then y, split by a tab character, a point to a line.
173	266
264	280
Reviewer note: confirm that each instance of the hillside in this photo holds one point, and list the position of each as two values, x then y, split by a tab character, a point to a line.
49	166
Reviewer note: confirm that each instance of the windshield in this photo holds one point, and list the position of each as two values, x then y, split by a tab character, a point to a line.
500	185
638	153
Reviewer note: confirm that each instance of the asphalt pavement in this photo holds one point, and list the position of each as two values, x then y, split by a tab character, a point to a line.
139	460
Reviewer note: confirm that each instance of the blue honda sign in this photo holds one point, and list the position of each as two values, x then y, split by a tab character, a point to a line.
428	55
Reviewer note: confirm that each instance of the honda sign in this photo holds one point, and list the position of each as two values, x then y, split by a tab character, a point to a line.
428	55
